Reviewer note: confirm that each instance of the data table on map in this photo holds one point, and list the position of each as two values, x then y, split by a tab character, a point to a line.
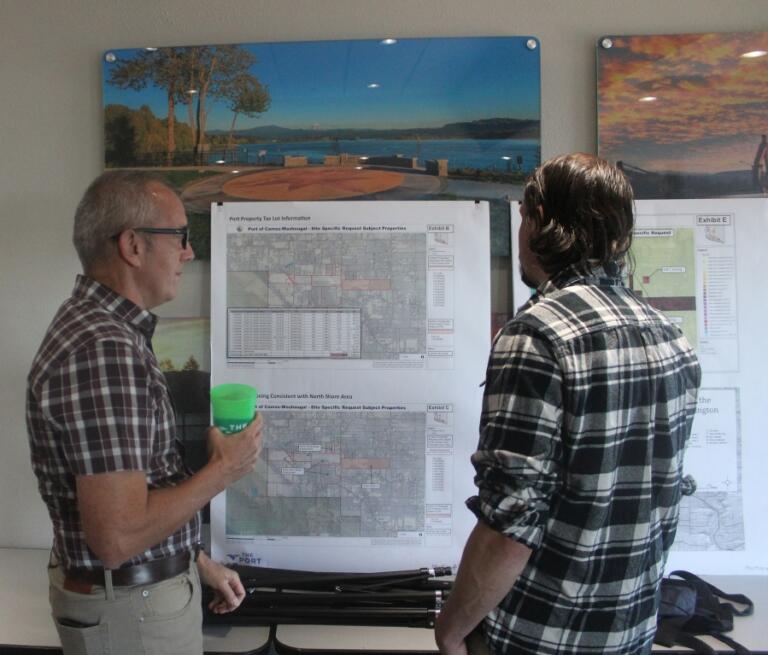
293	333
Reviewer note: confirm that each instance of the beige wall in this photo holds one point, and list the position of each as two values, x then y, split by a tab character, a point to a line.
51	144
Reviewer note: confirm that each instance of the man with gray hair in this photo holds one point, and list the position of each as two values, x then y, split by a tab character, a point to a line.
125	564
589	399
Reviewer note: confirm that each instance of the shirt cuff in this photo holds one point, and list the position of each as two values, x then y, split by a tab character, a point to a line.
498	520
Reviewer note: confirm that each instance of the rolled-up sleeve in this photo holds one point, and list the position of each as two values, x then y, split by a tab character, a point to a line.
518	460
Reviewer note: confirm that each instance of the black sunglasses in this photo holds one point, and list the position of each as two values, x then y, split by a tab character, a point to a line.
183	232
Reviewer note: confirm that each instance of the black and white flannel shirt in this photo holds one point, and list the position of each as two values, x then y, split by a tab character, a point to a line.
589	400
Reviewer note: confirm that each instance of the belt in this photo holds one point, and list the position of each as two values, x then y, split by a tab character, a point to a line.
155	570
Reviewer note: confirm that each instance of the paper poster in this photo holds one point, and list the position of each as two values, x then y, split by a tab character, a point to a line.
364	326
698	261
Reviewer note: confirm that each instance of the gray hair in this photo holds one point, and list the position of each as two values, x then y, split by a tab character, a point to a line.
115	201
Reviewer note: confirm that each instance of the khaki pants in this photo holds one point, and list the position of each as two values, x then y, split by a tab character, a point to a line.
158	619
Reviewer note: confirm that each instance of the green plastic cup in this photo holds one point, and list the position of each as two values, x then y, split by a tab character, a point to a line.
233	406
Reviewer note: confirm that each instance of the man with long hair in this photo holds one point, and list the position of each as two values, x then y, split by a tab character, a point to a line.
589	399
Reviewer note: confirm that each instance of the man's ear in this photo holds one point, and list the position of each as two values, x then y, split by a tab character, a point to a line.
131	248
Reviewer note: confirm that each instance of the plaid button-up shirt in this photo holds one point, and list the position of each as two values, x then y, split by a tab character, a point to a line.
589	400
98	403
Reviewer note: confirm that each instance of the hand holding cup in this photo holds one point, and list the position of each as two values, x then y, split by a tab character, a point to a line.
234	406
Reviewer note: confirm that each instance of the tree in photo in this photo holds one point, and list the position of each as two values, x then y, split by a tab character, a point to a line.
211	73
162	68
191	364
166	365
246	96
194	76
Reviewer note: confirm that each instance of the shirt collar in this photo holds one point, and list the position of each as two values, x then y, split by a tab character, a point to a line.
608	275
124	309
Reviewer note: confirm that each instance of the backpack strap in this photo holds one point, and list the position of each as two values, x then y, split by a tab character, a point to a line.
711	617
670	634
737	647
741	599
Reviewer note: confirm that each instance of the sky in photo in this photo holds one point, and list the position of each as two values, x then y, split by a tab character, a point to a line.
710	107
418	83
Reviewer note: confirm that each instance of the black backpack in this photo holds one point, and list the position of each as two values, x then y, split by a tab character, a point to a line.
690	608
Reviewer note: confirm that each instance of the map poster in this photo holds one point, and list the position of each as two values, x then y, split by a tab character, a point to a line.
365	328
697	261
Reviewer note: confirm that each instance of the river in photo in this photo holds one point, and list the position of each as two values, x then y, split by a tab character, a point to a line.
502	155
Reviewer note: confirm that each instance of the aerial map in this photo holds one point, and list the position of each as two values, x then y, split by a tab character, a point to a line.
665	274
366	294
334	473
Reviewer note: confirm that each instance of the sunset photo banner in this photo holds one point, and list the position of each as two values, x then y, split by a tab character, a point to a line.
686	115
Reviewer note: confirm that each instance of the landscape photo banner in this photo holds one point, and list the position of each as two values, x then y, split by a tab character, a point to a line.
684	115
380	119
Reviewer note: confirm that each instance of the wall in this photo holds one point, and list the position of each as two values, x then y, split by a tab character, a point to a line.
50	128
